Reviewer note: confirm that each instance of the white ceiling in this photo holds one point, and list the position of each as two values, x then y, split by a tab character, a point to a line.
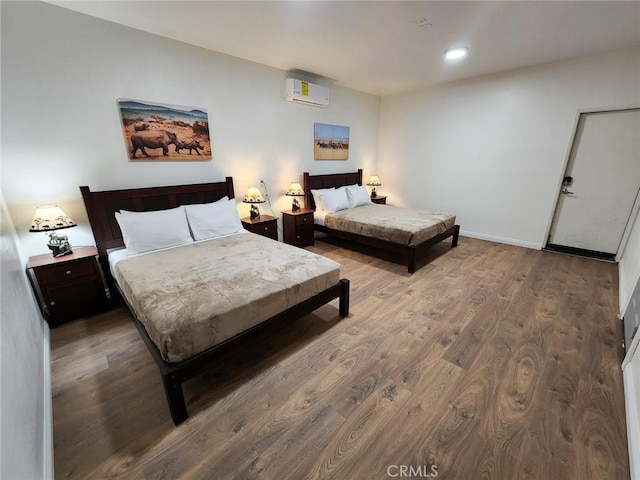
385	47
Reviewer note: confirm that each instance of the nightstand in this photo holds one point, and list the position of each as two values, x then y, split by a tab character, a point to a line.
68	287
264	225
298	227
380	199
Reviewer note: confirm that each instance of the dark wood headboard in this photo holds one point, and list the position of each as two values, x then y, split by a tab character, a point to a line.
314	182
101	206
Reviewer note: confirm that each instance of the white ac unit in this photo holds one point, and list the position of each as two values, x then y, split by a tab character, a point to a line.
299	91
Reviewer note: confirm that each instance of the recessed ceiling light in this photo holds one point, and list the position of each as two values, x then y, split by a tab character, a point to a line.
454	53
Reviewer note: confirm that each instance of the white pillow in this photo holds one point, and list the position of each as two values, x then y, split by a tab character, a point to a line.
358	196
146	231
335	200
210	220
316	197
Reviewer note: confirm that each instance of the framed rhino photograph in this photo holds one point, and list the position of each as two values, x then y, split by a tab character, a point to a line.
159	132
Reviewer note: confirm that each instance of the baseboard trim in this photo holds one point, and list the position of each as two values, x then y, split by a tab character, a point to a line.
47	401
508	241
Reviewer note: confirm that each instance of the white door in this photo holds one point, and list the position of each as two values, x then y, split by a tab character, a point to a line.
601	183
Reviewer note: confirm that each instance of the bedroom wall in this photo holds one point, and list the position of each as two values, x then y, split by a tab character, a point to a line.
25	392
62	73
493	149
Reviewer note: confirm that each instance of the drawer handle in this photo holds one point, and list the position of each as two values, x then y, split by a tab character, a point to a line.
305	219
52	303
266	228
68	272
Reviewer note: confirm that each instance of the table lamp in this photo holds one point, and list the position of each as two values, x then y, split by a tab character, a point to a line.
49	219
295	190
374	181
253	196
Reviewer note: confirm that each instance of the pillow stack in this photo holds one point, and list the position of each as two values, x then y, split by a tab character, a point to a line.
148	231
332	200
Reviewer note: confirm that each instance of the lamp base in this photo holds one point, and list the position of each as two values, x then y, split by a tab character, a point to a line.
59	250
295	206
373	193
254	213
59	244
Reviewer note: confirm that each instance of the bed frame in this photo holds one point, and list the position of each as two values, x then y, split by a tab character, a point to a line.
101	207
342	179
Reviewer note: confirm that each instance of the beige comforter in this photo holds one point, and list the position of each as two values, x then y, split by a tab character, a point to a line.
405	226
192	297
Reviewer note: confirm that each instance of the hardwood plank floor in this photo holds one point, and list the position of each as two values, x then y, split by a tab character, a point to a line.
490	362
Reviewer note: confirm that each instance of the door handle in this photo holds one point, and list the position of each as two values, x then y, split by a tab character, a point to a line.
567	192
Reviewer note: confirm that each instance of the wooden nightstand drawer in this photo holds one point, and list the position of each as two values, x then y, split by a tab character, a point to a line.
68	301
66	272
268	229
265	225
304	234
304	219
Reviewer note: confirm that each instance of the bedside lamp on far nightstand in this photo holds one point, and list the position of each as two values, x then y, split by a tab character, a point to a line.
295	190
374	181
253	196
49	219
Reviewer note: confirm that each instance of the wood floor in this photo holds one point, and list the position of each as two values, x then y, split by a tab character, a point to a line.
491	362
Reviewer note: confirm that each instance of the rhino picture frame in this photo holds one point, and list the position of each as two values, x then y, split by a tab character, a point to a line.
163	132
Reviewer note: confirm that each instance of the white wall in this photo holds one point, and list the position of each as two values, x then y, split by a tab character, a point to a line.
25	392
62	73
493	149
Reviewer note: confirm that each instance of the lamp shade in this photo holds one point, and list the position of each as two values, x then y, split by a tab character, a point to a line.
253	195
295	190
374	181
50	218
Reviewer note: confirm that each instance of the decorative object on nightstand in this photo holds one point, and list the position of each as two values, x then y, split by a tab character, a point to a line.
264	225
253	196
298	227
379	199
295	190
374	181
49	219
68	287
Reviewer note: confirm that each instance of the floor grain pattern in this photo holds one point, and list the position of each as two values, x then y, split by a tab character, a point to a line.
490	362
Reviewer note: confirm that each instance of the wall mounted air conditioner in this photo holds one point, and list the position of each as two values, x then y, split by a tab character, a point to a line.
299	91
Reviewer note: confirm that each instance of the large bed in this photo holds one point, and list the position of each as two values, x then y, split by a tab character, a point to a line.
392	229
190	300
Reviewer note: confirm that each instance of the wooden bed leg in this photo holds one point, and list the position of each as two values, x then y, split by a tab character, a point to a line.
175	399
344	297
454	240
411	261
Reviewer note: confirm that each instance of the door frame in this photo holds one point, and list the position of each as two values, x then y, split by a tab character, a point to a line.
565	166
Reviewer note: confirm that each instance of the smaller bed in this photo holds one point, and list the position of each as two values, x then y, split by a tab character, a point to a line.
388	228
190	300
